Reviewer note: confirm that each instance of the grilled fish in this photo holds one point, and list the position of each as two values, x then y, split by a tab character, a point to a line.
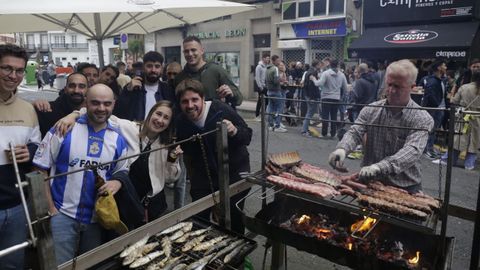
140	252
185	237
234	253
146	259
166	246
200	264
192	243
177	235
181	266
140	243
209	244
218	246
158	265
171	263
175	228
229	248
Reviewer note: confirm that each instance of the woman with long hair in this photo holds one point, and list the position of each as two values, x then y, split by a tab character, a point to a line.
150	171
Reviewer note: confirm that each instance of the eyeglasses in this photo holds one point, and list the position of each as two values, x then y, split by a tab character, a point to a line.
7	70
75	85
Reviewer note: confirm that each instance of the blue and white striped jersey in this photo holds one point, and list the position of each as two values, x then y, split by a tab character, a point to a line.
75	194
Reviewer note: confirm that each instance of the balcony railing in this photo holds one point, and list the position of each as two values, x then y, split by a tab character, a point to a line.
69	45
33	47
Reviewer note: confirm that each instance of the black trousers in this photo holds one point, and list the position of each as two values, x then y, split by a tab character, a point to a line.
235	214
329	112
259	103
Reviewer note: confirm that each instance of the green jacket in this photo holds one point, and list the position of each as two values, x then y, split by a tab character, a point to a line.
272	78
211	76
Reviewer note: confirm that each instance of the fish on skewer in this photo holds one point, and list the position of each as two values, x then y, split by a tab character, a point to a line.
137	245
146	259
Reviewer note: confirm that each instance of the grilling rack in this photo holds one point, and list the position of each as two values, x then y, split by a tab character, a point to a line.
351	204
115	262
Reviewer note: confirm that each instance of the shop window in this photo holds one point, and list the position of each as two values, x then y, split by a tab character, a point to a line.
304	9
336	7
261	41
320	44
289	11
230	61
293	56
319	7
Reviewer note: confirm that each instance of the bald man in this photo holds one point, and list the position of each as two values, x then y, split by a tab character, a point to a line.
71	198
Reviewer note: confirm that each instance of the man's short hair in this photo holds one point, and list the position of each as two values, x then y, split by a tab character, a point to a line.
404	68
265	54
192	38
474	61
137	65
153	56
436	64
274	58
189	85
362	68
85	65
315	62
333	63
174	65
13	50
76	73
120	64
114	68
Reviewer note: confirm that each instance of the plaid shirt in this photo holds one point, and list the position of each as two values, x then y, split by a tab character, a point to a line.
395	151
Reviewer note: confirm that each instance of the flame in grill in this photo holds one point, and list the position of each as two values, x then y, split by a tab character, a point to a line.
349	246
363	225
322	233
303	219
415	259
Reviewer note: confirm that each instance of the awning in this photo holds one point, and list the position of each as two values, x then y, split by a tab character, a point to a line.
452	41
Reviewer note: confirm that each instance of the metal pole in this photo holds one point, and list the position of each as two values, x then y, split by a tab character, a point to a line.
38	202
263	134
448	179
223	175
14	248
278	256
99	38
476	238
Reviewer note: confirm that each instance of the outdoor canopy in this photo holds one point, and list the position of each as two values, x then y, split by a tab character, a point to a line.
100	19
452	41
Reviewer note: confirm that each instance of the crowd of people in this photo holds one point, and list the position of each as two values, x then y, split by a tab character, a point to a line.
104	115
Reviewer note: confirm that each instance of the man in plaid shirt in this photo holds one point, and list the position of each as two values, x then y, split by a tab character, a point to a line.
391	154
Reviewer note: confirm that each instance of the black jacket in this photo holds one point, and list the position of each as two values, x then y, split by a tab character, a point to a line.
365	90
311	91
131	104
239	159
434	93
60	108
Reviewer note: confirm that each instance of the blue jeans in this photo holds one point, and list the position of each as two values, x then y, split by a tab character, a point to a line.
13	231
437	123
470	158
69	234
274	107
312	107
180	186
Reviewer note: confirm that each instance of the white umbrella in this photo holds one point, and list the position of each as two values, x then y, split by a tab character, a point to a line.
100	19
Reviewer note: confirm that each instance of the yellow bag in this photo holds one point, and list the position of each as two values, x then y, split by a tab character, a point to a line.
107	214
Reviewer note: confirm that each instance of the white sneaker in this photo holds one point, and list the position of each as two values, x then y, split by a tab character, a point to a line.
439	161
270	128
280	129
282	126
257	119
319	125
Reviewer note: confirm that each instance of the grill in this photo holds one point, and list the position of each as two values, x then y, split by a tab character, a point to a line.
328	233
191	256
351	204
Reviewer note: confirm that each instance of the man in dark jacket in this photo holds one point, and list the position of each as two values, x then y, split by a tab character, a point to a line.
144	90
217	82
365	89
199	116
435	96
71	99
312	94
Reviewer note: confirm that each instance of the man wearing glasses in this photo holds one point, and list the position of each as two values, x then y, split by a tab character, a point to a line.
145	89
72	99
19	125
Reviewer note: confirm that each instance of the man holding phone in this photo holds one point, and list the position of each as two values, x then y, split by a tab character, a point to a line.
145	89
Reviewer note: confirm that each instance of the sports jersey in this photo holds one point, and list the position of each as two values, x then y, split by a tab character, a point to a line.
74	194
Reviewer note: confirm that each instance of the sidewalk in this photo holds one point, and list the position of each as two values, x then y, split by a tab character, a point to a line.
248	106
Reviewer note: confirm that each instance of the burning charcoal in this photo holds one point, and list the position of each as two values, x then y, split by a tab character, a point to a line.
397	250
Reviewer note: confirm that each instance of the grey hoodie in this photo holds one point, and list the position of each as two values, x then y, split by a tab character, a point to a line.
260	74
333	84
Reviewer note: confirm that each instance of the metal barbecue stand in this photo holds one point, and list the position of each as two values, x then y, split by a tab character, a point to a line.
349	204
40	237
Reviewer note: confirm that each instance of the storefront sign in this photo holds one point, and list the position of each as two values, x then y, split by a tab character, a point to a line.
235	33
411	36
206	35
398	11
451	54
327	28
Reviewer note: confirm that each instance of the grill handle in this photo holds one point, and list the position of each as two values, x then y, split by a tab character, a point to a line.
353	234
